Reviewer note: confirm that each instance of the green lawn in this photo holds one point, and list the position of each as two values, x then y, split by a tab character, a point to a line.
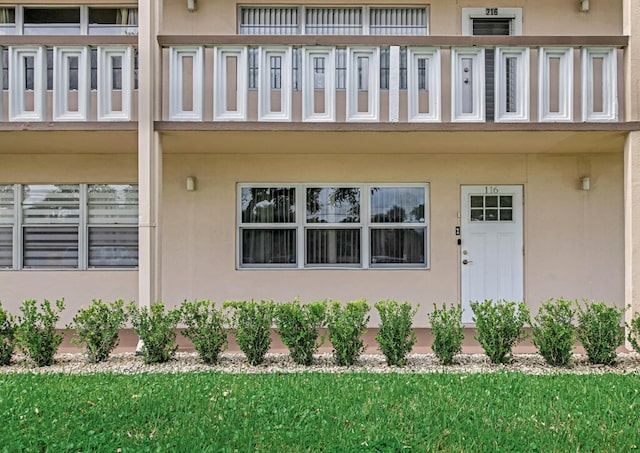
317	411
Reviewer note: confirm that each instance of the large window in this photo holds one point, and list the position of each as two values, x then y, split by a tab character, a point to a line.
68	226
69	20
333	225
332	20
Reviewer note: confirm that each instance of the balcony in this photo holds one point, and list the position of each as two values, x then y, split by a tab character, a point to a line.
70	79
422	81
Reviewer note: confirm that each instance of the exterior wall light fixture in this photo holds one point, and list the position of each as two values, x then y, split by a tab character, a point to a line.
191	183
584	5
586	183
191	5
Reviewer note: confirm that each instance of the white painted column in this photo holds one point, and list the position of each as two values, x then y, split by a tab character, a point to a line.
149	153
631	25
394	84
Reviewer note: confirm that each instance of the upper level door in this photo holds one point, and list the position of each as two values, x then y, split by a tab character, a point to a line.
491	245
492	22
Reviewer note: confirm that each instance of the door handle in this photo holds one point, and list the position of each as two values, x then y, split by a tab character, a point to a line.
466	261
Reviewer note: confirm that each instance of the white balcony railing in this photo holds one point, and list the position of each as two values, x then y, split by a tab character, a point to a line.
403	83
67	83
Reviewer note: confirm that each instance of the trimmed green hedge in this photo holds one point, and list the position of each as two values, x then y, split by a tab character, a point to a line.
555	329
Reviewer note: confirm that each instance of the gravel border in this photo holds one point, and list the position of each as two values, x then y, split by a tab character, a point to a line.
234	363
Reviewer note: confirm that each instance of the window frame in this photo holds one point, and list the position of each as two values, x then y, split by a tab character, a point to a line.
83	225
301	226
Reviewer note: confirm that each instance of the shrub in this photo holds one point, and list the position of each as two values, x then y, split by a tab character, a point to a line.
7	336
554	333
346	327
634	332
395	336
98	326
499	326
251	323
157	330
298	326
36	333
599	331
446	328
205	329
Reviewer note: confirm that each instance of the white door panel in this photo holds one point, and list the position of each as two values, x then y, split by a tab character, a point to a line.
491	245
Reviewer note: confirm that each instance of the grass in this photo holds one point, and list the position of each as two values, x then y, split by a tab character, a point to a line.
319	412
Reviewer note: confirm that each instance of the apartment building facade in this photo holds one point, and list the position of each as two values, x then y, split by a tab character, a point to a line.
423	151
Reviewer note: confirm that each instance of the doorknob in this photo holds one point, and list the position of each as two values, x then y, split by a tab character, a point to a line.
466	261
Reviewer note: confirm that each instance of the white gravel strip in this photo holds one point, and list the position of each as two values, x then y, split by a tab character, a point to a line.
184	362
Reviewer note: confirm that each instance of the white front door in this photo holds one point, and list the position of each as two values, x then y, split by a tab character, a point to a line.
491	245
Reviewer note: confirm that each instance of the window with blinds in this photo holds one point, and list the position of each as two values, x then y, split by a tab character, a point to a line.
72	226
256	20
7	216
398	21
356	225
339	20
112	225
268	220
51	220
333	227
398	227
333	21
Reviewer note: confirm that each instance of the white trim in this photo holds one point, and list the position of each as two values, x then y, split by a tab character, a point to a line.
16	247
83	236
61	92
19	20
308	83
468	14
372	54
394	84
105	83
220	110
17	81
522	93
609	84
265	112
467	81
565	81
84	20
177	81
433	83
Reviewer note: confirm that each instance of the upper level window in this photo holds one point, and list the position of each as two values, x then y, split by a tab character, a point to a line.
51	21
68	20
256	20
113	21
7	21
398	21
336	20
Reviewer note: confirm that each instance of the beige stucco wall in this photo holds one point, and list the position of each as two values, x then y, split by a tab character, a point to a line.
78	288
573	239
540	17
